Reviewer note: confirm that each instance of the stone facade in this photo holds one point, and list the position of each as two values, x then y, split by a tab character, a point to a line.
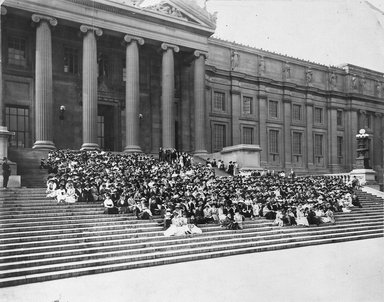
135	79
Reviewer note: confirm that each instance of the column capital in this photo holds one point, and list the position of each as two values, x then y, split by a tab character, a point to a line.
3	10
378	114
38	18
363	112
128	39
198	53
85	28
165	46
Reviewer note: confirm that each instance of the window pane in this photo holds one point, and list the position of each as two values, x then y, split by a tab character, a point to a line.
247	135
17	51
296	143
296	112
273	141
273	109
219	101
219	137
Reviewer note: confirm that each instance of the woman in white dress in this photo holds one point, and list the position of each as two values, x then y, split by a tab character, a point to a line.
61	194
180	227
71	196
51	189
300	217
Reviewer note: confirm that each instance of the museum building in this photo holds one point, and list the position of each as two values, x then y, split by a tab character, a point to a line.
126	76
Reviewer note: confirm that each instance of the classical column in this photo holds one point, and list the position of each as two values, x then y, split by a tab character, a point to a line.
43	83
4	133
199	98
132	94
186	104
90	87
167	95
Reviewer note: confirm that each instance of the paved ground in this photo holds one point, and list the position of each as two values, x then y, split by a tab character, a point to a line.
350	272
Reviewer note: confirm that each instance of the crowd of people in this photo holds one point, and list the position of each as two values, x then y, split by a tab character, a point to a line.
185	194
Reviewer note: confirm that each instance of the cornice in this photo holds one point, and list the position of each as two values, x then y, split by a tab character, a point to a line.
134	22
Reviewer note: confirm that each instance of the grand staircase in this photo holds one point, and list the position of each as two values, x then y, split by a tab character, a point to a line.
42	240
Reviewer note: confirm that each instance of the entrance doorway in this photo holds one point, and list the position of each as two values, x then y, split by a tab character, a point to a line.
106	128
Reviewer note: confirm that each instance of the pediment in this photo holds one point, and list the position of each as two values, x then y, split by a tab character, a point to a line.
187	10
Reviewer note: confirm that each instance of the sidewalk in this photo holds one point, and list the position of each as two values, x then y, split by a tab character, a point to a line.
350	272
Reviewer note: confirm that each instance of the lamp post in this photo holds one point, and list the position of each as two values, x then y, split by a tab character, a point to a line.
362	160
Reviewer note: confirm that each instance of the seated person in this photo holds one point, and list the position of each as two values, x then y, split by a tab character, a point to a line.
51	188
109	205
61	194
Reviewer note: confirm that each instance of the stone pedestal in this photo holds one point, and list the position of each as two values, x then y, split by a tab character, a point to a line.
247	156
14	180
366	177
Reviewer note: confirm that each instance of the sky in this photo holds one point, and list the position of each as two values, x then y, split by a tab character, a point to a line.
329	32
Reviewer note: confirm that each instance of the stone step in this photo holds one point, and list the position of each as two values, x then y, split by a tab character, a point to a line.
156	235
172	245
100	236
157	241
13	281
194	253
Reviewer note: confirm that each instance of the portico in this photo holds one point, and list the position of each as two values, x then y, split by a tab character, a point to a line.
184	33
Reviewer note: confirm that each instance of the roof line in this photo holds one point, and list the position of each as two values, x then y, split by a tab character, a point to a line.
374	7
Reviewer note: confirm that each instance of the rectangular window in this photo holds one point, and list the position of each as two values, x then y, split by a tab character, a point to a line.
218	137
318	151
273	141
368	121
319	118
71	60
340	149
219	101
297	143
17	120
247	105
339	118
17	51
273	109
247	135
100	131
296	112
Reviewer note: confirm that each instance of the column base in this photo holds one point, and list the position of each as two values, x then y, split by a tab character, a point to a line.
44	145
200	152
90	146
132	149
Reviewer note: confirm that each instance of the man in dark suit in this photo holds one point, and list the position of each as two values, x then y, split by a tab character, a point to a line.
6	172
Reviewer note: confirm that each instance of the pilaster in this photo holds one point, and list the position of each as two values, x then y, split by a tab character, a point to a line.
263	130
287	132
309	107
